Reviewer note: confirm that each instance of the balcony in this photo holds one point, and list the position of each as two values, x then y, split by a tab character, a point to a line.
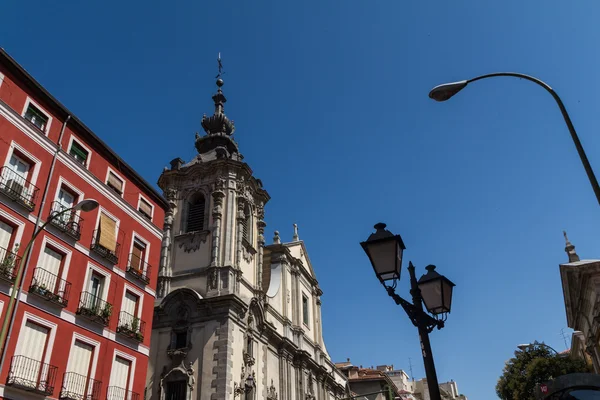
117	393
18	188
139	269
79	387
31	375
9	262
69	222
109	255
50	287
131	326
94	308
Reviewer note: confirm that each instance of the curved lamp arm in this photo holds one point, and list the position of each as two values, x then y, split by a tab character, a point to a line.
446	91
84	205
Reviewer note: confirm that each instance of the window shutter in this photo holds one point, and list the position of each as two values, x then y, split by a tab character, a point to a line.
145	207
108	233
195	217
137	255
115	182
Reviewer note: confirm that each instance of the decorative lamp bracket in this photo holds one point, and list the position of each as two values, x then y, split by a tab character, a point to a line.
418	317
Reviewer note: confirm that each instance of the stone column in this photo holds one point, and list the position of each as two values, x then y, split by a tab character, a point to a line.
260	243
217	214
290	386
281	355
240	216
296	299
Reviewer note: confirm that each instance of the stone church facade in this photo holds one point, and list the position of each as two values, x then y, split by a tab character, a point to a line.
235	317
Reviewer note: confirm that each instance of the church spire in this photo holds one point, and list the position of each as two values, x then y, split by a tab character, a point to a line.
219	129
570	249
218	123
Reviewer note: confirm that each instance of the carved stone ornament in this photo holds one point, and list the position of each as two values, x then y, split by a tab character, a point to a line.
171	194
190	242
248	252
310	386
213	279
248	359
272	392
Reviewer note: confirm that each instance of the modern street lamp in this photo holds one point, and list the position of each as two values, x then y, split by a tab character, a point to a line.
385	251
527	346
447	90
85	206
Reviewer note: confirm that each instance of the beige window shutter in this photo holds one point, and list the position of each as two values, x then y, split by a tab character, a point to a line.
115	182
145	207
108	233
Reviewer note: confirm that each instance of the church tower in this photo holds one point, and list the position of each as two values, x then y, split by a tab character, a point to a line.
214	227
235	318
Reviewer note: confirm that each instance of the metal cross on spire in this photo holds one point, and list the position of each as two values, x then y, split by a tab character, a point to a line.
220	66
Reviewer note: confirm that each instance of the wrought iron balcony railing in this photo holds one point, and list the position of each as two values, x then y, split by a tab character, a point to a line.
50	287
9	262
131	326
110	255
117	393
139	269
32	375
79	387
19	189
69	222
94	308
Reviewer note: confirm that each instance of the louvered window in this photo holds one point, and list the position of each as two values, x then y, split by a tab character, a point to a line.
246	225
195	217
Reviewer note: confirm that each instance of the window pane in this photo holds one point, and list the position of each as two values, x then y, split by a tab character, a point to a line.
36	117
78	152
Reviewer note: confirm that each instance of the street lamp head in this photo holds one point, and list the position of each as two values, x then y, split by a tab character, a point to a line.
523	346
436	291
249	382
447	90
86	205
384	250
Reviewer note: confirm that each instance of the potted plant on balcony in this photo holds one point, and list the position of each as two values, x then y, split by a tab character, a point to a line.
106	313
8	264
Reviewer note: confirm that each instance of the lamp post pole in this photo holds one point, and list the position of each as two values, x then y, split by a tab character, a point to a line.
425	324
433	290
446	91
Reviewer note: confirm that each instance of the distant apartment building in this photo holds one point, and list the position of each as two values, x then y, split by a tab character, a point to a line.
364	381
82	321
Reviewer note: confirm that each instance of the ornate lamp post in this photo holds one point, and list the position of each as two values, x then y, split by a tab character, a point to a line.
85	206
385	251
527	346
447	90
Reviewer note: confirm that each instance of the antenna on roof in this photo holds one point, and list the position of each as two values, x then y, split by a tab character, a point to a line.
411	371
564	336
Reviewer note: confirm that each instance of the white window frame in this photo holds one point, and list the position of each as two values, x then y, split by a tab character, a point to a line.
129	358
62	249
74	139
140	238
140	198
1	79
100	271
34	169
19	226
51	326
140	296
36	105
308	310
63	182
108	171
88	341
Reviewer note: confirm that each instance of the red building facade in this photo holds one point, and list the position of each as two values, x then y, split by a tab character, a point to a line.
83	315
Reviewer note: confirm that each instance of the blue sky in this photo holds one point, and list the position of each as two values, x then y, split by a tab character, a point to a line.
330	104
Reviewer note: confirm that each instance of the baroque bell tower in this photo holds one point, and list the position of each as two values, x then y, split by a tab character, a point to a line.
214	228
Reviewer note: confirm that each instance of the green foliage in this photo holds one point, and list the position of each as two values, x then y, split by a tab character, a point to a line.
528	368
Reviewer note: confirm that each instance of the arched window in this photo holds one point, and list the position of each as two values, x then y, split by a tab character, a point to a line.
246	225
195	214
